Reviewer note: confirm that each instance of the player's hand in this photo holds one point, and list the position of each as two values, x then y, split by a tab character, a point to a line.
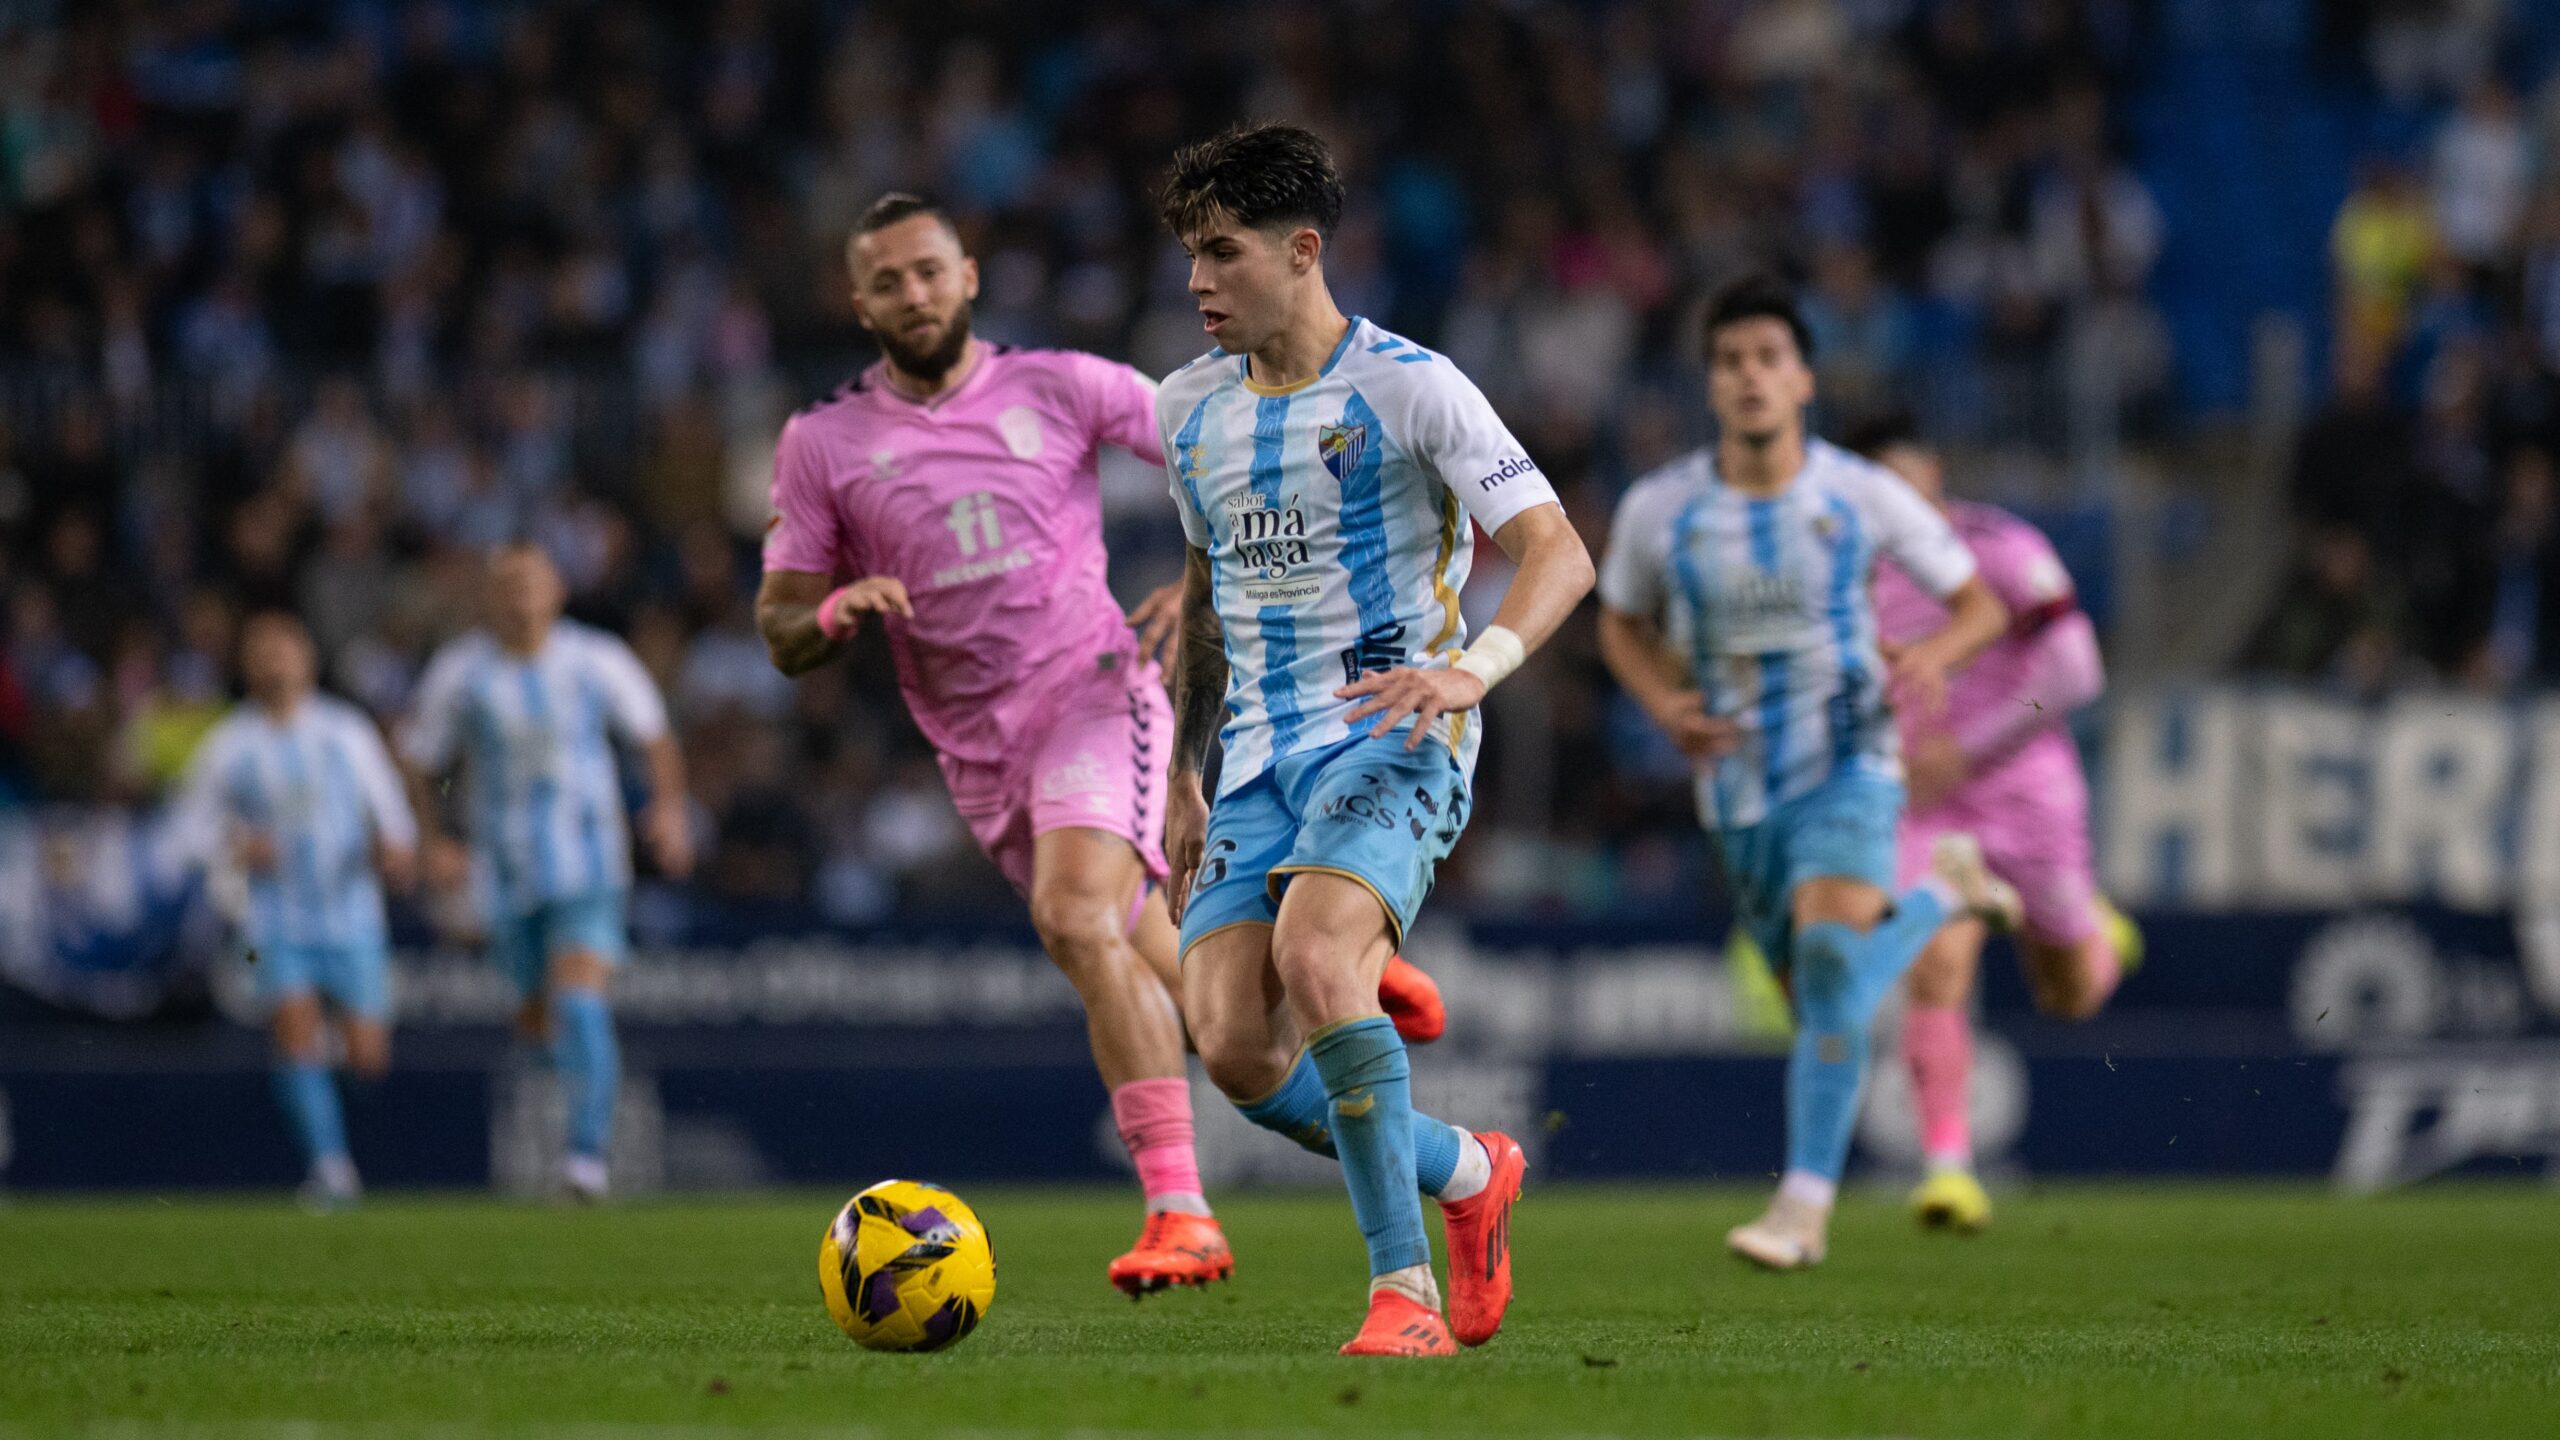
1423	695
1699	735
1919	679
670	833
1933	765
447	866
398	866
256	851
872	595
1186	833
1158	621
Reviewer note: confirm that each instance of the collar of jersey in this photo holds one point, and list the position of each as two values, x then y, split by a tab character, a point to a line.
1340	347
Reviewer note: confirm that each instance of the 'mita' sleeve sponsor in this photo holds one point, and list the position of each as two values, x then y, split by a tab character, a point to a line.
1908	530
1120	406
804	534
1452	429
1633	578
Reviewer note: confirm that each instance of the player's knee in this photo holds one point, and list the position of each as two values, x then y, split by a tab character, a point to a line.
578	970
368	1051
1939	978
1310	961
1081	932
1240	1060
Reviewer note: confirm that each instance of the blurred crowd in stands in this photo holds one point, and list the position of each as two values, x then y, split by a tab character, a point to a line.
302	302
2422	484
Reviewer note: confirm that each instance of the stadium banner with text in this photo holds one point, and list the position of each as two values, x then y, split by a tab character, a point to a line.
2374	1047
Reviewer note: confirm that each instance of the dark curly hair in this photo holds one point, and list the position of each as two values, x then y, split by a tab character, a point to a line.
1259	175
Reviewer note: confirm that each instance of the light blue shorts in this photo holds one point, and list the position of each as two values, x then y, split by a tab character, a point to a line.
522	944
1843	829
1365	809
355	978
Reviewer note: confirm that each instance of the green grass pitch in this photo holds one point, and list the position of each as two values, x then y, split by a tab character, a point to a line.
2102	1312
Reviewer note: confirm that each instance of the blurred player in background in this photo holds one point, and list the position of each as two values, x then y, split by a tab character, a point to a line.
1760	551
951	492
1325	471
530	708
295	789
1997	763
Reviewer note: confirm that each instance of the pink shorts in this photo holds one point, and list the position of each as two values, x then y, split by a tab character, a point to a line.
1097	764
2038	841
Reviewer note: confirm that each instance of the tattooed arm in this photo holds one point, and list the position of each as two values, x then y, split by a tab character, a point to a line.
1199	703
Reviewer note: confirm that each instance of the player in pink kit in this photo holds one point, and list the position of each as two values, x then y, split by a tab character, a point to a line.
950	493
1997	762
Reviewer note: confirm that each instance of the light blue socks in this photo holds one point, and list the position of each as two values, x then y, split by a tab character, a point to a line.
1841	978
590	1064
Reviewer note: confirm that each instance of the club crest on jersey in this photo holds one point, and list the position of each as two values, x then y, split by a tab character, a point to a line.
1341	446
1826	526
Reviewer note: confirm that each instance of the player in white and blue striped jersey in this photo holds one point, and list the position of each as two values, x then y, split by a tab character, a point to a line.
294	789
1327	473
530	709
1736	607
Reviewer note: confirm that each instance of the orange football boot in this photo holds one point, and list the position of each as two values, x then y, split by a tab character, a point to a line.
1174	1249
1479	1229
1400	1325
1412	1000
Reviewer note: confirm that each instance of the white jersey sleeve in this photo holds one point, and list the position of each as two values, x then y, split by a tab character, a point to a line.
636	710
434	732
1909	531
1180	394
1635	570
200	815
386	803
1450	427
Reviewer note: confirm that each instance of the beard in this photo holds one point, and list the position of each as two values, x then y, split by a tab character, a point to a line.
929	363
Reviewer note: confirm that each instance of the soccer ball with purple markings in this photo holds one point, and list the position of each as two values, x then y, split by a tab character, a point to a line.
906	1266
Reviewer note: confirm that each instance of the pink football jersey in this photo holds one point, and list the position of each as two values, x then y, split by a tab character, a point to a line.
2019	565
985	503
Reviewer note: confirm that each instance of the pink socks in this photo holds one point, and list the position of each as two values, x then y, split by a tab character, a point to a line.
1155	1123
1938	1046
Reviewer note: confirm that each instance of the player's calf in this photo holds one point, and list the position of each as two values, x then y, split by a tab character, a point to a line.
2071	981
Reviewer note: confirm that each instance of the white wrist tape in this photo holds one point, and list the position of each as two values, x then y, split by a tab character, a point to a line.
1494	655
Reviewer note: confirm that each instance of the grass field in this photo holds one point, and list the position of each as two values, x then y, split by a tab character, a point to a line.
2097	1312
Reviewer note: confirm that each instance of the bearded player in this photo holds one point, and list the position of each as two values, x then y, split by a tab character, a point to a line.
949	494
1997	763
1325	471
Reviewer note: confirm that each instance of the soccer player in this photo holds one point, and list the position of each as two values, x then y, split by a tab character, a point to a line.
950	494
1998	764
295	788
530	708
1325	471
1759	552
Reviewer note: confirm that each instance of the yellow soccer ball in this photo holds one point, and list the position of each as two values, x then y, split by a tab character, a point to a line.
906	1266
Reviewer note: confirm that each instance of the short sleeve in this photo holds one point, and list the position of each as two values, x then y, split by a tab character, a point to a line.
435	719
1913	535
384	800
1634	568
1195	526
199	810
632	702
1452	430
804	533
1119	405
2028	576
